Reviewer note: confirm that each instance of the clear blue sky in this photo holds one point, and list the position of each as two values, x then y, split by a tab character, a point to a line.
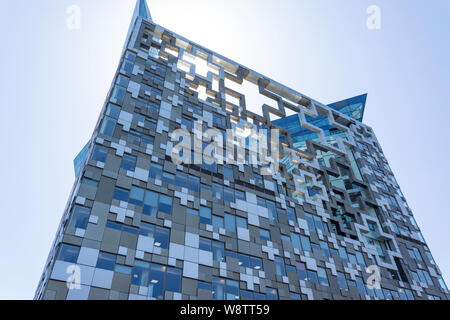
54	82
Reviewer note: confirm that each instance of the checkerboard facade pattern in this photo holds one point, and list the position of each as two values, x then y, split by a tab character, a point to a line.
138	226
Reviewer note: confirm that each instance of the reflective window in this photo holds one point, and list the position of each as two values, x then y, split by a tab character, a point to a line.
279	266
218	249
106	261
217	222
121	194
323	279
230	222
205	215
241	223
68	253
80	217
342	281
113	111
264	235
165	204
271	294
173	280
150	203
128	162
137	196
99	153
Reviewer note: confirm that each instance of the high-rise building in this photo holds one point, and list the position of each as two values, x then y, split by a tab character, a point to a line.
329	222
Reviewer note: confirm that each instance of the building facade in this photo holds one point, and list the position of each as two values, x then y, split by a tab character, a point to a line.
329	223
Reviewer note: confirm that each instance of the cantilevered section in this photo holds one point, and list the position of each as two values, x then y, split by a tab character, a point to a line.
352	107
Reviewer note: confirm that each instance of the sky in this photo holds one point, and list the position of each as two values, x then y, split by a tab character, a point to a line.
55	80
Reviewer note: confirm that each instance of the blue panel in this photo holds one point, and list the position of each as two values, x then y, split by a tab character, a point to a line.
78	161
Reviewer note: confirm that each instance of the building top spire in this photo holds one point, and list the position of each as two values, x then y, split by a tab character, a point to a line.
142	10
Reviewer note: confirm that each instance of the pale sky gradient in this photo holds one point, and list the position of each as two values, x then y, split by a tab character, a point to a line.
54	82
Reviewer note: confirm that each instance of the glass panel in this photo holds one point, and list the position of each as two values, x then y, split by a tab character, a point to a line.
150	203
137	196
156	286
173	280
106	261
165	204
68	253
108	126
80	217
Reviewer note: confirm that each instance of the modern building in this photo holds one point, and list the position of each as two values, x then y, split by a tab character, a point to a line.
330	223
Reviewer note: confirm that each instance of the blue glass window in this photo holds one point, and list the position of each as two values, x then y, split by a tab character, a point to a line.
204	286
246	295
217	222
80	217
90	182
205	215
228	194
68	253
113	111
361	287
291	213
141	273
230	222
295	239
162	236
108	126
323	279
217	190
227	172
128	162
194	184
301	271
218	289
168	178
99	153
121	194
137	196
239	195
192	211
173	280
165	204
279	266
204	244
295	296
118	94
256	263
264	234
218	249
156	286
241	223
181	180
232	290
312	276
342	281
106	261
306	246
123	81
123	269
150	203
244	260
271	294
156	171
272	210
